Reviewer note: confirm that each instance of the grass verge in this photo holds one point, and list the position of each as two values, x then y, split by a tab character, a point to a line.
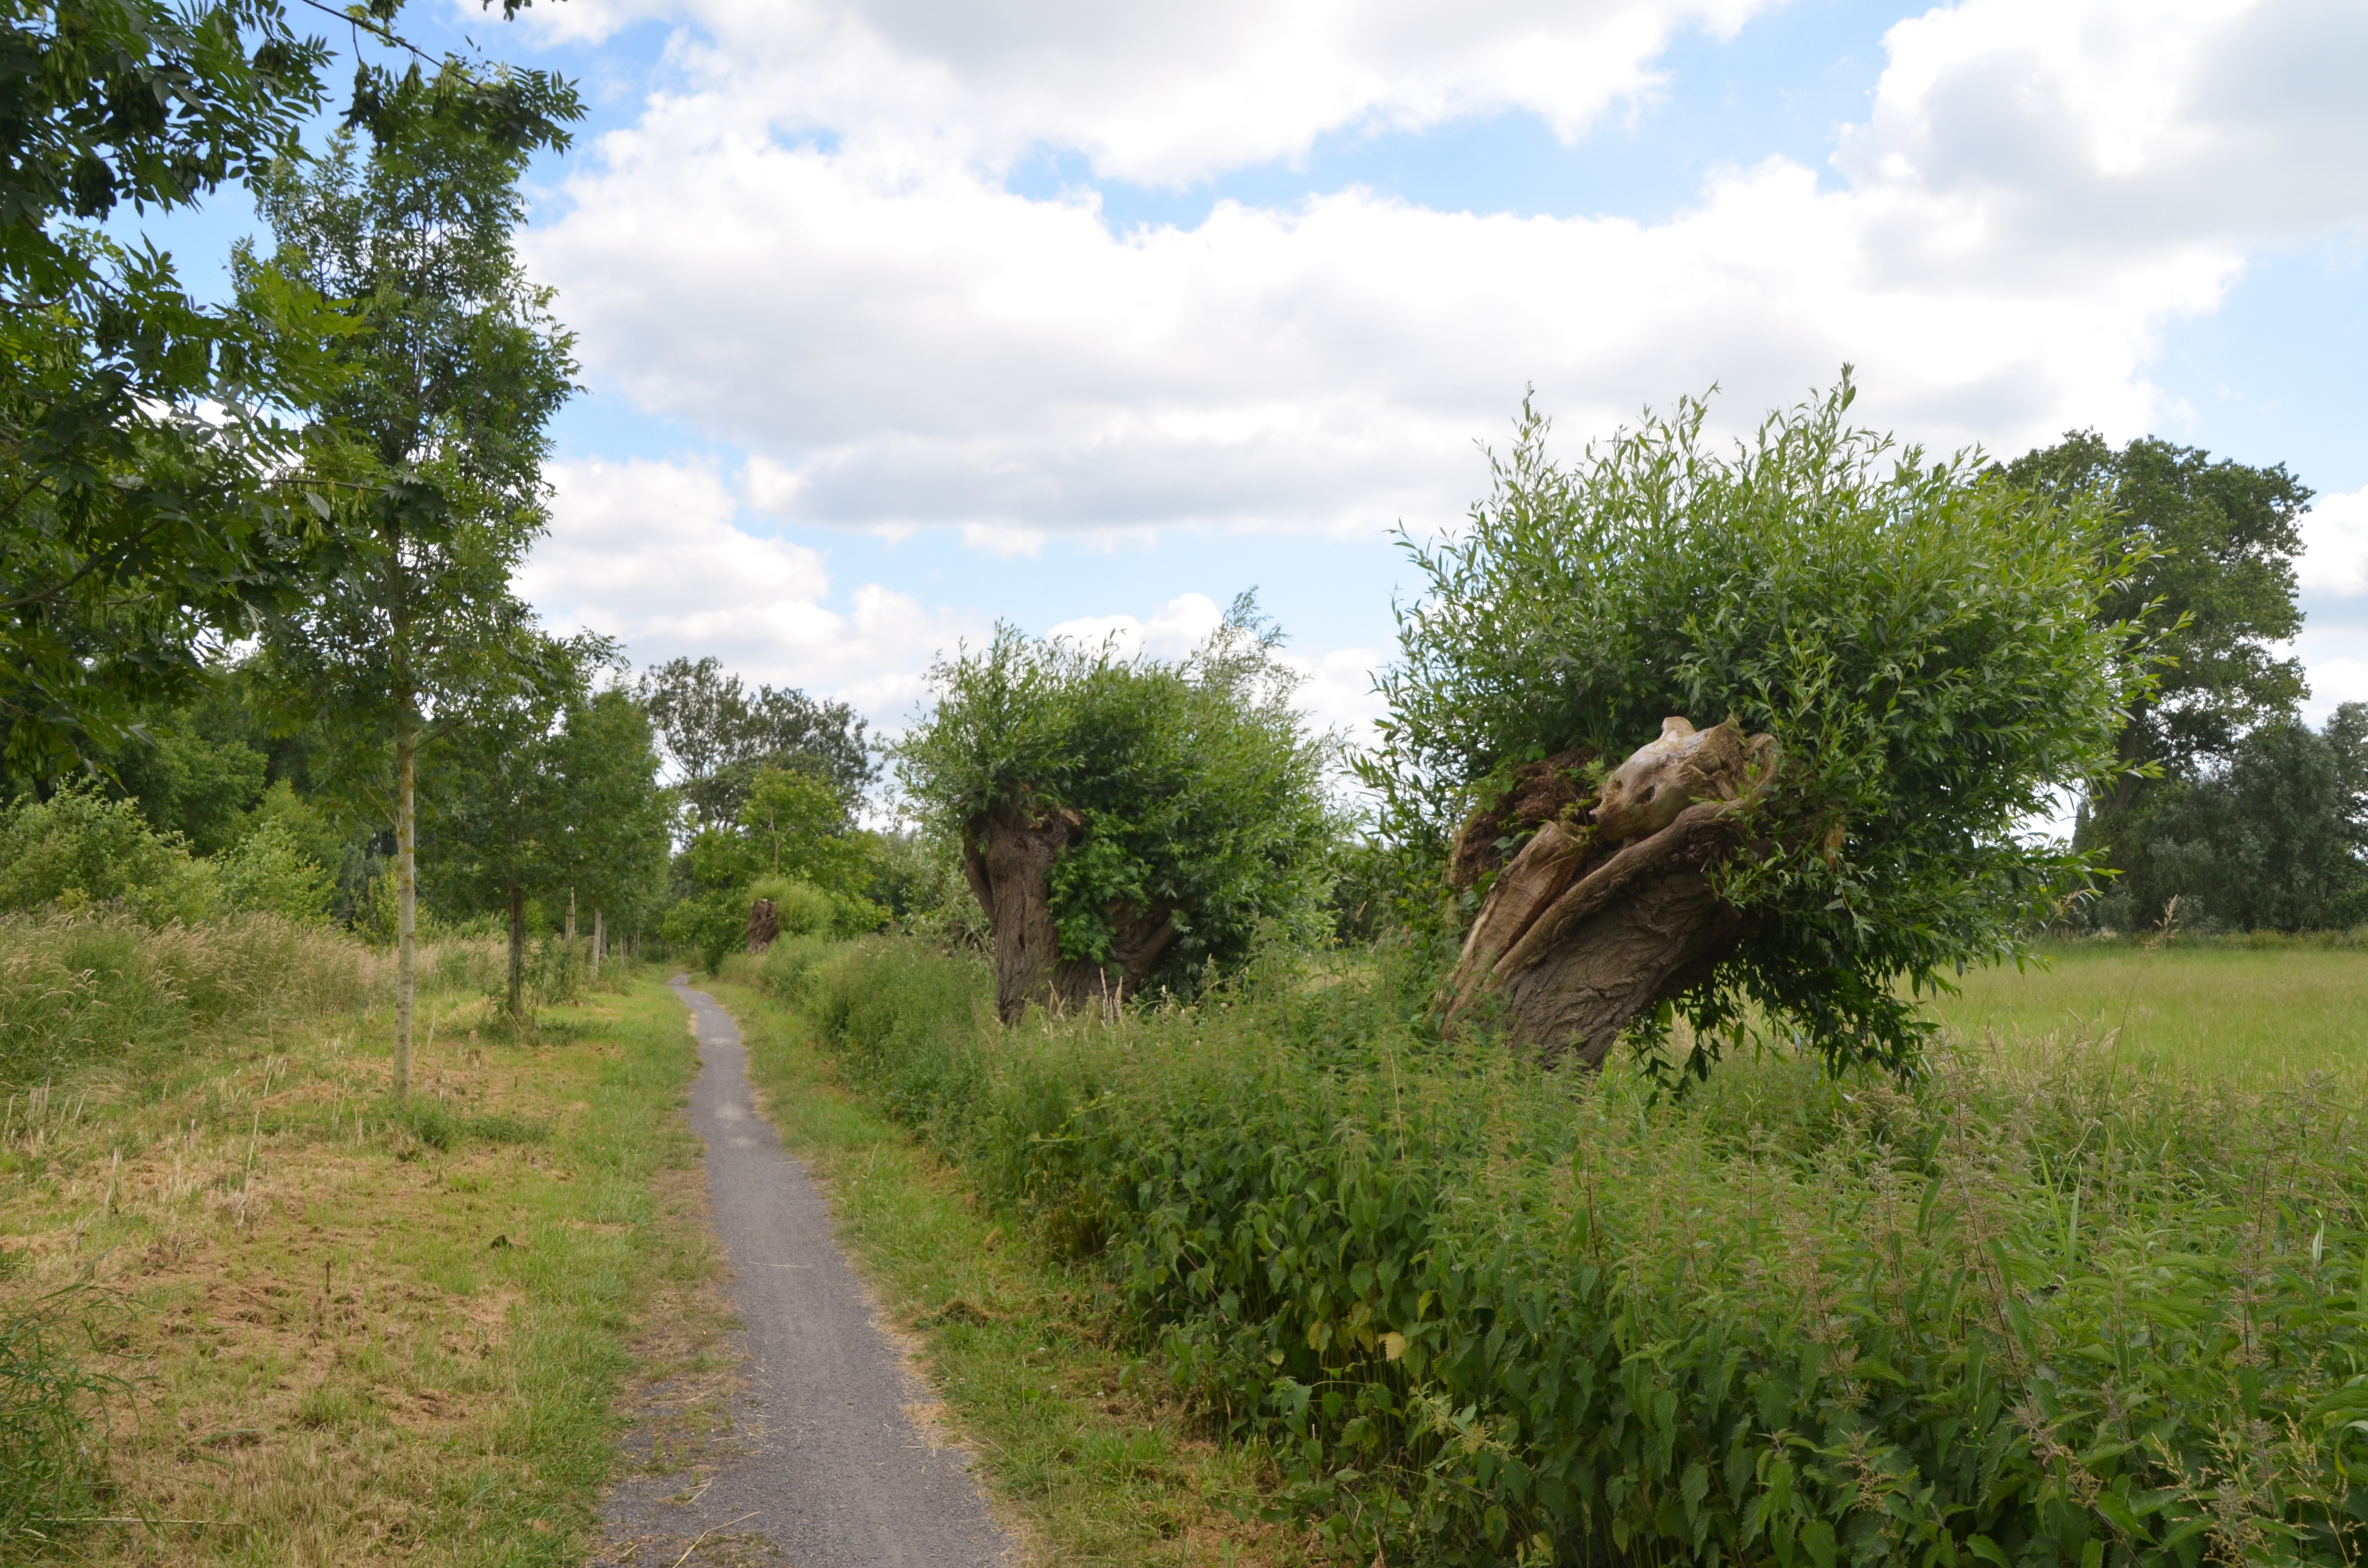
356	1332
1092	1461
2034	1308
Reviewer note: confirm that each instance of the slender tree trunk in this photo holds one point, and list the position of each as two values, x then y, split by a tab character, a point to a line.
407	899
518	953
599	939
570	920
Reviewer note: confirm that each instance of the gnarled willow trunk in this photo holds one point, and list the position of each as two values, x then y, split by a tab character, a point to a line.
1596	923
1008	857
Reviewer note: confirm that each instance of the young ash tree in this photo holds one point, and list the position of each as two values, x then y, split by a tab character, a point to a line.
496	819
150	502
432	444
1867	671
1125	822
615	836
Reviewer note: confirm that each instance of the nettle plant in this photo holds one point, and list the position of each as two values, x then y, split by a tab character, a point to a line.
1126	822
1920	638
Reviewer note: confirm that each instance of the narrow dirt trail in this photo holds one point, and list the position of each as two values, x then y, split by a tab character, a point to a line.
832	1472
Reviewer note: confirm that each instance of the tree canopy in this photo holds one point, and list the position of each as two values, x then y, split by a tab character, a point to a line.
2212	548
2273	839
722	736
1185	801
147	505
2216	589
1921	637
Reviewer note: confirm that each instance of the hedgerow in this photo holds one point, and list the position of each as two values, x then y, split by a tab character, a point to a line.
2012	1314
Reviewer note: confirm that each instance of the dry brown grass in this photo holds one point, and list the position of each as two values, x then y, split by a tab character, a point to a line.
358	1335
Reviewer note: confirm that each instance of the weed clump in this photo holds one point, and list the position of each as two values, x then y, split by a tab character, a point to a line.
52	1419
435	1126
2017	1311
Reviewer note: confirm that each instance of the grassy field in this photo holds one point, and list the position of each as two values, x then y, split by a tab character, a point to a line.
348	1331
1086	1450
2253	1015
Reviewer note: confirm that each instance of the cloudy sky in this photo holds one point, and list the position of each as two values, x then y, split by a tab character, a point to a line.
902	316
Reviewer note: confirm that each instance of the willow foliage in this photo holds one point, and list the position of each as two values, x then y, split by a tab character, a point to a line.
1198	787
1921	638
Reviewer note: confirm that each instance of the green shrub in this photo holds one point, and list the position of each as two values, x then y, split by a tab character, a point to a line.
270	870
2051	1313
802	909
79	851
440	1128
709	926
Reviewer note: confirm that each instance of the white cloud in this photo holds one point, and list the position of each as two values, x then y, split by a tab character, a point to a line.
955	354
1180	626
903	342
2337	657
650	552
2335	544
1339	693
2118	124
1156	94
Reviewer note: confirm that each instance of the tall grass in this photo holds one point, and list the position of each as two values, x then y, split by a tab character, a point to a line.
81	989
2023	1311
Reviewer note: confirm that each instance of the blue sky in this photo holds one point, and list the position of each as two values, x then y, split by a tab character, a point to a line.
901	317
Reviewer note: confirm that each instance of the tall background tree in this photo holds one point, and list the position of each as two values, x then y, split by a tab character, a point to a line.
2215	587
495	819
2225	802
721	735
615	834
431	442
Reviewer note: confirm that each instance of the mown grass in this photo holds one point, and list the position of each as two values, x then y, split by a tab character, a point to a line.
1084	1448
353	1331
2254	1015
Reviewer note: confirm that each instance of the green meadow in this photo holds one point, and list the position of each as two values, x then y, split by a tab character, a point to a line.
2259	1016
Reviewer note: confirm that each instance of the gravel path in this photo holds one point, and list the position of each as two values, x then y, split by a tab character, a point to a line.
832	1472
